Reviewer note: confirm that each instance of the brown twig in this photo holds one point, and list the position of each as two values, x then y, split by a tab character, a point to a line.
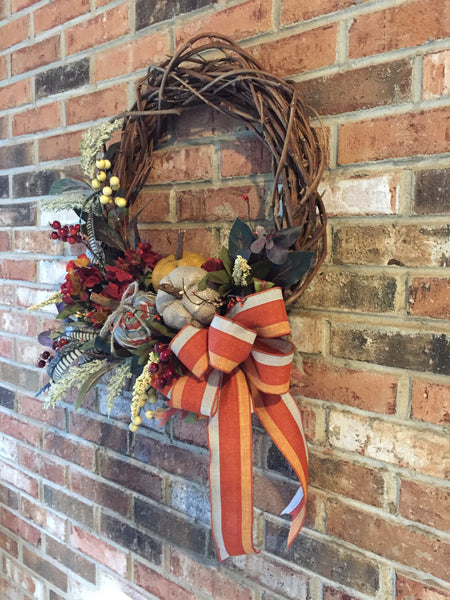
234	83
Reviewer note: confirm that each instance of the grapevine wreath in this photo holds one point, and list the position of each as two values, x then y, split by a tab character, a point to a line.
202	337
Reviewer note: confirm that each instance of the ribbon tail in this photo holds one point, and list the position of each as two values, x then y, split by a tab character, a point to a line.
282	420
230	471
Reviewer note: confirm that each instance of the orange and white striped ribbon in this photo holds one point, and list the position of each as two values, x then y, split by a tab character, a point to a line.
237	366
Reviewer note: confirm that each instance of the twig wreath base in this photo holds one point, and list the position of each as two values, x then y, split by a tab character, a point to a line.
210	334
211	69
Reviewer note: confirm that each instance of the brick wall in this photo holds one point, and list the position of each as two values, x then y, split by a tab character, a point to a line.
86	508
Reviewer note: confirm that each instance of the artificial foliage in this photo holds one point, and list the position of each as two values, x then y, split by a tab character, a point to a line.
207	335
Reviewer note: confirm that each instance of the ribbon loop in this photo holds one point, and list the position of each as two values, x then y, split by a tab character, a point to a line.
238	364
229	344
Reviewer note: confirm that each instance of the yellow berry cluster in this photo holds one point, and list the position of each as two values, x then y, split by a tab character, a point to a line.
142	393
108	187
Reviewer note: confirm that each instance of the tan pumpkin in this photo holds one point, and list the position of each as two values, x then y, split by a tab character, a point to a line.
185	304
169	263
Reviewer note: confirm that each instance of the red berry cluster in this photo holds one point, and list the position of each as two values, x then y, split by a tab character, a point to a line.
43	359
66	233
59	343
234	300
163	370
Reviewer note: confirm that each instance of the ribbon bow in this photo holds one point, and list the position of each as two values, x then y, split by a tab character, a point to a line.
240	365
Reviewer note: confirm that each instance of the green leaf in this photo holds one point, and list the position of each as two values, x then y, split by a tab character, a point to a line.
219	276
261	268
292	270
203	283
191	418
224	289
261	284
225	258
91	381
69	311
240	240
62	186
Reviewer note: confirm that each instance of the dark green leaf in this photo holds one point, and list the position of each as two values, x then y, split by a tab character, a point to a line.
191	418
108	234
62	186
219	276
203	283
240	240
261	268
224	289
225	258
293	269
286	237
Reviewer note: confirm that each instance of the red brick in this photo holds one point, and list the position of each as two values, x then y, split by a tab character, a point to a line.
23	270
429	297
131	476
425	132
42	465
9	590
58	12
177	461
19	429
191	433
99	550
46	569
63	146
18	5
133	56
28	351
425	504
271	494
106	26
155	206
409	546
102	103
408	589
430	402
19	322
3	68
20	527
70	449
245	157
105	434
164	241
376	85
205	121
6	347
15	94
436	72
7	543
206	579
99	492
348	479
7	294
361	389
14	32
43	118
27	240
158	585
37	55
298	53
238	22
293	11
330	593
404	445
224	204
5	244
20	480
34	408
182	164
411	24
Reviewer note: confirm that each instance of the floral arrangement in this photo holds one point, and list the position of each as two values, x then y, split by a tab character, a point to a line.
196	335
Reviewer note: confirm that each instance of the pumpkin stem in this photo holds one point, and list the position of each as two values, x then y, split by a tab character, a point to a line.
170	289
179	250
